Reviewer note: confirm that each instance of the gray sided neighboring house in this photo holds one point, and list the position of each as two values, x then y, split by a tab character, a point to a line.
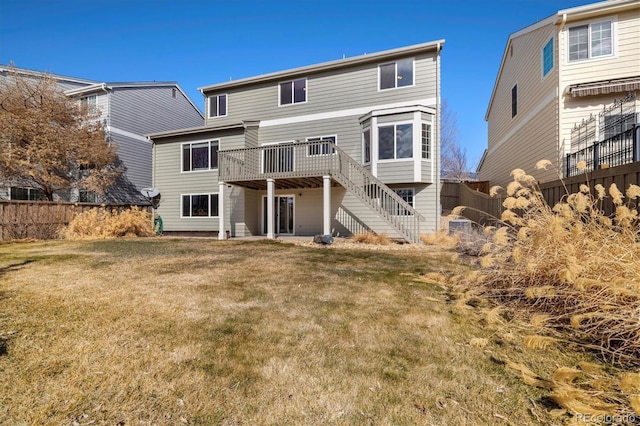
128	110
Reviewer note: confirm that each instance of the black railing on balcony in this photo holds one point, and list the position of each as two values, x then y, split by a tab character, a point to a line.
617	150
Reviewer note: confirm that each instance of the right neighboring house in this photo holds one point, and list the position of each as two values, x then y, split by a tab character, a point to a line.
566	92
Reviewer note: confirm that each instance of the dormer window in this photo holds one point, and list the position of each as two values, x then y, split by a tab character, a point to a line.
293	92
217	106
396	74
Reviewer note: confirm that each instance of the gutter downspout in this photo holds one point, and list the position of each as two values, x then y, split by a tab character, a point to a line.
561	147
437	156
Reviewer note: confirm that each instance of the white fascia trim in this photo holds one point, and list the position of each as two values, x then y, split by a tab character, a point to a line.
131	135
99	87
546	101
345	112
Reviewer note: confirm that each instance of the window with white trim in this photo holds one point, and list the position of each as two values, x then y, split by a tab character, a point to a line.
26	194
89	102
396	74
217	106
293	92
321	145
199	205
198	156
87	197
407	195
426	141
395	141
590	41
366	146
547	57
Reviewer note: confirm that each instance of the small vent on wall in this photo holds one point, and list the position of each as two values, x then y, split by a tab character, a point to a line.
174	92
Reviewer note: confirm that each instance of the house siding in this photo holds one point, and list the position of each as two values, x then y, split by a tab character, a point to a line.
530	136
333	91
130	152
172	183
624	63
144	110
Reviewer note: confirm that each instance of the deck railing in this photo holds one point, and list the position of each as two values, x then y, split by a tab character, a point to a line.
321	158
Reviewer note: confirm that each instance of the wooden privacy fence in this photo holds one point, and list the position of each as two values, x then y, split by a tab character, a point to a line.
483	209
43	220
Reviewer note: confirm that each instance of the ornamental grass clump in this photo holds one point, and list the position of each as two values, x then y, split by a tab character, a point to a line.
570	262
100	223
573	272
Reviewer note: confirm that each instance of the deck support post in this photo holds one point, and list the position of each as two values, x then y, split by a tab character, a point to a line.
270	213
222	234
326	205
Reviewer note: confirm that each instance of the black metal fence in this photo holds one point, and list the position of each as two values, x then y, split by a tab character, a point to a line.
620	149
618	140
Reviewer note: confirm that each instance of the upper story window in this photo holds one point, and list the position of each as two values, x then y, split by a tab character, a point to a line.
514	101
396	74
590	41
198	156
321	145
293	92
426	141
29	194
395	141
217	106
90	102
547	57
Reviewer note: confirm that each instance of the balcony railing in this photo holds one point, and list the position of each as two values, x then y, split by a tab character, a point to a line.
620	149
315	159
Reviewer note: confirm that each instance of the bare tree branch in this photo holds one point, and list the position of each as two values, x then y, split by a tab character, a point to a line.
49	141
453	157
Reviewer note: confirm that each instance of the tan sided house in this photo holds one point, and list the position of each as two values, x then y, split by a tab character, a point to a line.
336	148
566	92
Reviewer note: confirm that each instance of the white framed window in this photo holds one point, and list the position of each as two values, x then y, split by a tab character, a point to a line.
217	106
590	41
514	101
396	74
366	146
200	156
87	197
89	102
293	92
26	194
407	195
395	141
199	205
425	141
321	145
547	57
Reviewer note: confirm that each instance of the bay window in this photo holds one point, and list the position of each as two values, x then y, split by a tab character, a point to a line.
395	141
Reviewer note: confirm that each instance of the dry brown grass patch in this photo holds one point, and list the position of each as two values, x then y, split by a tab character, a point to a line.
169	331
100	223
371	238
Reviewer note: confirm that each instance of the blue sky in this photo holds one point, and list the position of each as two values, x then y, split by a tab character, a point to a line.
202	42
